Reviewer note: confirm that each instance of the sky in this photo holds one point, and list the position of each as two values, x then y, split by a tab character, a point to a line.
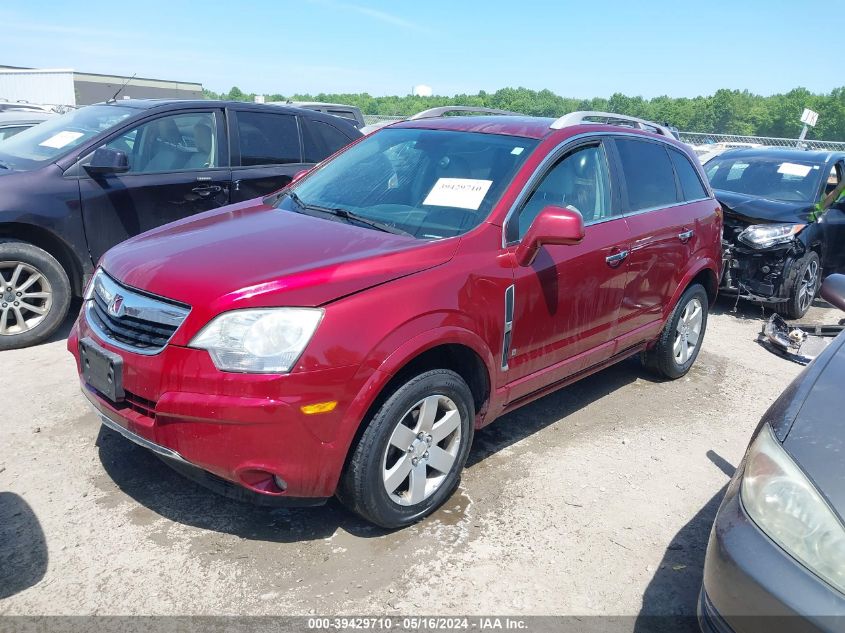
581	49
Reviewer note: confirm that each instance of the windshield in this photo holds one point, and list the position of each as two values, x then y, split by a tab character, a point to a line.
429	183
49	140
766	176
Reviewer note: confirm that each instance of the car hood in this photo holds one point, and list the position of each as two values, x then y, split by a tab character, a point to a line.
251	254
816	439
756	210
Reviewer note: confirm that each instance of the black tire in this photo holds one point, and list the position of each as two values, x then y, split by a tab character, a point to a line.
661	359
13	251
362	488
798	303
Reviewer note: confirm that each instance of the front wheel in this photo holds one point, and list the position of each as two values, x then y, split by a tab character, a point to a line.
411	454
681	338
34	294
803	287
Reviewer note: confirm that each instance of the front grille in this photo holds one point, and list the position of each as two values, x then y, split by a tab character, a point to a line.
129	319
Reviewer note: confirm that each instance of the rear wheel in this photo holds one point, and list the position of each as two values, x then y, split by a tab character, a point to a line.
681	338
34	294
803	287
411	454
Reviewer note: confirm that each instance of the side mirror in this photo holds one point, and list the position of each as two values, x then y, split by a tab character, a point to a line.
300	175
108	161
833	290
553	225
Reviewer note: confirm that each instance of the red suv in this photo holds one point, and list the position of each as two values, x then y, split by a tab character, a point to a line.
348	334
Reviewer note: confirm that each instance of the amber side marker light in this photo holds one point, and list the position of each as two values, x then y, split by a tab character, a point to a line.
318	407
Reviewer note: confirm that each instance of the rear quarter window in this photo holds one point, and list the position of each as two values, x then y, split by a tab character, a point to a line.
688	176
321	140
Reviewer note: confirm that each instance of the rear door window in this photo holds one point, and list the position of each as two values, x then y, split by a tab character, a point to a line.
649	177
688	176
267	138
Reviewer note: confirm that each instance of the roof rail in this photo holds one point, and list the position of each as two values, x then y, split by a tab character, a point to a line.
432	113
610	118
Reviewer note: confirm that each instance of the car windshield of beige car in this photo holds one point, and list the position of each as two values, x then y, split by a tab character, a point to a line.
775	178
50	140
431	184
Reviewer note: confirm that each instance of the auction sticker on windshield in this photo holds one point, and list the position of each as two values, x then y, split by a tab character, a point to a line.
58	141
794	169
464	193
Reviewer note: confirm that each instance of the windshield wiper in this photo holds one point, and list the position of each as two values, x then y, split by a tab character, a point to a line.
349	216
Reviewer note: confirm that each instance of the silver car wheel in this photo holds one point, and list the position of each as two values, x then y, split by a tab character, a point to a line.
422	449
688	331
25	297
809	283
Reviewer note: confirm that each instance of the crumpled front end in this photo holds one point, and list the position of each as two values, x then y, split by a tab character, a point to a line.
760	274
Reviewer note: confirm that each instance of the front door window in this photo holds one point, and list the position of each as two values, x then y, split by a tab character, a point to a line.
171	143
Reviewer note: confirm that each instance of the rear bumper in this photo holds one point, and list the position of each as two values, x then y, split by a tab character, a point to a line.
234	429
752	586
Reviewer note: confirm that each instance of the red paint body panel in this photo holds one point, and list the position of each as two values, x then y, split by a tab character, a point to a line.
387	299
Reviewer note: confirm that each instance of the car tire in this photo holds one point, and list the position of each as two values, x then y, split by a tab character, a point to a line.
676	351
394	485
803	287
33	281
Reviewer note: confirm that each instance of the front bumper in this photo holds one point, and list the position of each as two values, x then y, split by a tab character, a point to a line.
752	586
240	429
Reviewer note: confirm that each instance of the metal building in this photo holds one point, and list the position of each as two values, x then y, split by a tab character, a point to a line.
65	86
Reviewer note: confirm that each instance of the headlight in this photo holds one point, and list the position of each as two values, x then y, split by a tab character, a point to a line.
768	235
786	506
267	340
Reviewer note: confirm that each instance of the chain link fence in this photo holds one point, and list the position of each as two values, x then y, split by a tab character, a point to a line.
370	119
698	138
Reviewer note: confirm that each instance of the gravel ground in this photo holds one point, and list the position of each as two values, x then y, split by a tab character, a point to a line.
597	499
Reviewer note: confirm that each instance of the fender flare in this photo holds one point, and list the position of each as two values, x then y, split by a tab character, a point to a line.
393	363
705	264
20	226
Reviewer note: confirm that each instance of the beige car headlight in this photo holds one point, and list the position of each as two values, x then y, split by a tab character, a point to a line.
264	340
782	501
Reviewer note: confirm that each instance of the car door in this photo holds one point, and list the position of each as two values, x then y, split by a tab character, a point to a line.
565	304
266	152
177	167
663	231
832	223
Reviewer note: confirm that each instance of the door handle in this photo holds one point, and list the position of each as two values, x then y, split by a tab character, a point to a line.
616	259
207	190
685	236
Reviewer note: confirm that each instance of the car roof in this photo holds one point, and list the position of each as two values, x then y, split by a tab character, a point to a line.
784	153
145	104
525	126
186	104
302	104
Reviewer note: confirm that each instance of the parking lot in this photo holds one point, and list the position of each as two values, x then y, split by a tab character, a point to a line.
597	499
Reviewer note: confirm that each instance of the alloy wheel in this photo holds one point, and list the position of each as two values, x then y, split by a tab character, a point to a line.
422	449
688	331
25	297
809	283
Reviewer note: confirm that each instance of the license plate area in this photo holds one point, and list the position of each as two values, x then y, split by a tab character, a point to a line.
102	370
